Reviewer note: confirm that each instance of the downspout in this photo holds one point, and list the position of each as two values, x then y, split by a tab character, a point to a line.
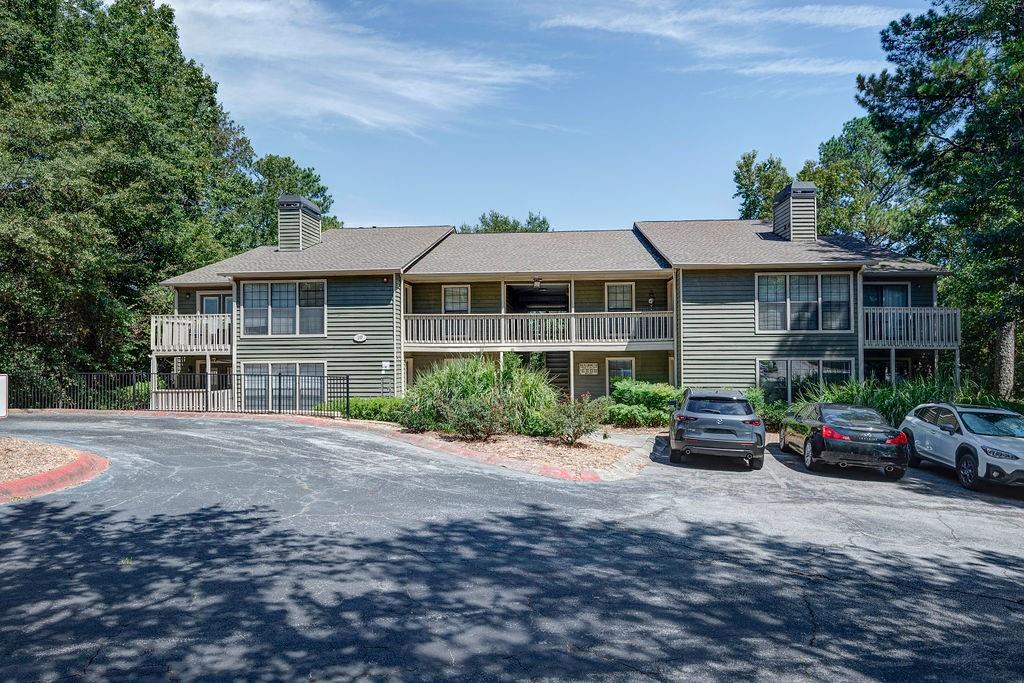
860	324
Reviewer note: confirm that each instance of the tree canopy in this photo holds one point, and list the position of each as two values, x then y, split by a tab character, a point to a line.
952	112
757	183
118	168
492	221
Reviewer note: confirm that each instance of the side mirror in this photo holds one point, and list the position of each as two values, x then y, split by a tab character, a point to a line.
948	429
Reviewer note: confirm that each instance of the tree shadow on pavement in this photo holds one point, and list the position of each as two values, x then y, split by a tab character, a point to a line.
223	593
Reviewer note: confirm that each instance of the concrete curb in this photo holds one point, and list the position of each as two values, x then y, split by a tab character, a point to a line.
628	467
80	470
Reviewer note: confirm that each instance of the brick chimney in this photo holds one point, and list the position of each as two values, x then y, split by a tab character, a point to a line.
298	223
795	215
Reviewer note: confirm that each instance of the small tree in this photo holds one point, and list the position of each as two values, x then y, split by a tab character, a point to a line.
573	419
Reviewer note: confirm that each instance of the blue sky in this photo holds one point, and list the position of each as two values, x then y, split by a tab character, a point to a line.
595	113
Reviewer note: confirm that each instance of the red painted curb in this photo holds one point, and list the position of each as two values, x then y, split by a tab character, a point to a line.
548	471
85	467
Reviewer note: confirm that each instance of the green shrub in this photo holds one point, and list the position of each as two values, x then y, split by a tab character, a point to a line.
652	395
573	419
472	397
382	409
771	412
637	416
894	401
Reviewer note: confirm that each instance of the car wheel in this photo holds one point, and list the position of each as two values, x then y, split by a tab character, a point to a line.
676	456
810	462
782	440
895	474
756	463
967	472
915	459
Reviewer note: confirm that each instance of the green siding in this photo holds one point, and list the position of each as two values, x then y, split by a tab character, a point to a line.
484	297
719	344
649	366
355	305
921	286
289	229
188	297
590	295
803	218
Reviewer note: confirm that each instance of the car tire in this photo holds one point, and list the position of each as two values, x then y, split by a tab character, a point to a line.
675	456
895	474
915	459
782	441
810	462
967	472
756	463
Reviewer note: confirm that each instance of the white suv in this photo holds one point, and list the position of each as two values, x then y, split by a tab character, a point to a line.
980	443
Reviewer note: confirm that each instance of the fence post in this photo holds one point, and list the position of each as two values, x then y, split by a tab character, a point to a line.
348	393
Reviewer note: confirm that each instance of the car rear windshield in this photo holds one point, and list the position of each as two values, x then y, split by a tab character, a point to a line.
719	406
853	417
994	424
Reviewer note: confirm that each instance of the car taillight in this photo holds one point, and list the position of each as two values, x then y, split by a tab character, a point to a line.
752	423
685	418
898	440
830	433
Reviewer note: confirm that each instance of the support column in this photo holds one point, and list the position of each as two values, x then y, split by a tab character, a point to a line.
208	387
572	374
152	381
956	367
892	365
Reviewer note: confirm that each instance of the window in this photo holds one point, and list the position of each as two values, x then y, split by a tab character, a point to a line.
804	302
456	299
284	308
719	406
771	298
887	294
618	368
835	302
619	296
945	419
283	386
254	308
772	378
784	380
927	414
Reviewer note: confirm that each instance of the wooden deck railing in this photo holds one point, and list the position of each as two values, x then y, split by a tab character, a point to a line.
190	333
912	328
495	329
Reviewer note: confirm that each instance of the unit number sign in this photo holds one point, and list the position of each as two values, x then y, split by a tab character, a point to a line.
588	368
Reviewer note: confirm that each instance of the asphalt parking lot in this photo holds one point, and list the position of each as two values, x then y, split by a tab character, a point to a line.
252	549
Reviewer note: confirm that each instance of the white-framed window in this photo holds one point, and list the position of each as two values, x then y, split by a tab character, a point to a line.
283	386
455	299
888	294
803	302
783	379
215	303
616	369
284	308
619	296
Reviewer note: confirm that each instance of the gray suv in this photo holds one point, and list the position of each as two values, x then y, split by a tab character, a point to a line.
717	422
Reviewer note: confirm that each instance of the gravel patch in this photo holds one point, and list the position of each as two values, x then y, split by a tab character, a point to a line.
20	459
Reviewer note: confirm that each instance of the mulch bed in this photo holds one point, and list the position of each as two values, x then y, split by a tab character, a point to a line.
587	454
20	459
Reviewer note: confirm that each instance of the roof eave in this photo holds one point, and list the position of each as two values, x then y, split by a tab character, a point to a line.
775	265
271	275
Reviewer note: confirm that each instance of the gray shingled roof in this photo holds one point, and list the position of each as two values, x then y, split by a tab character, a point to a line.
344	250
543	252
724	243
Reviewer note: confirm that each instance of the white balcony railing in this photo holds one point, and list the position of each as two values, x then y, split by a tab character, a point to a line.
912	328
190	333
538	328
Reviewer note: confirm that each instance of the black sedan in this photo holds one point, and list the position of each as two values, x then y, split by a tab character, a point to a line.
848	436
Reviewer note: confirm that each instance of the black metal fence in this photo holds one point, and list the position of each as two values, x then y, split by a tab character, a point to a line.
318	395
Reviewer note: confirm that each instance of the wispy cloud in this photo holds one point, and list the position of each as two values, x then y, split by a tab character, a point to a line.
297	59
811	67
714	29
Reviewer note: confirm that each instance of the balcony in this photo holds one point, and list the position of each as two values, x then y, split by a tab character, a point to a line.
540	329
189	334
912	328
